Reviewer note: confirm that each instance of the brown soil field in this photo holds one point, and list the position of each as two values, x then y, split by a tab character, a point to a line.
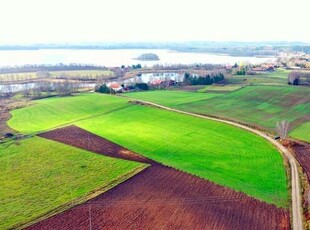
301	151
161	197
75	136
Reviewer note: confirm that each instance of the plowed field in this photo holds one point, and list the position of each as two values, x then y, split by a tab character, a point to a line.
161	198
75	136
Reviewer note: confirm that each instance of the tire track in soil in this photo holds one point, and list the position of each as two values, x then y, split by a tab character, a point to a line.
160	197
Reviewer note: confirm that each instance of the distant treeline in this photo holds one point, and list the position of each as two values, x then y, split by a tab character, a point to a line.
189	66
209	79
58	67
43	89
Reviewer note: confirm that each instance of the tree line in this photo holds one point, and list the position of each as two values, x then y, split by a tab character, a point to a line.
42	89
209	79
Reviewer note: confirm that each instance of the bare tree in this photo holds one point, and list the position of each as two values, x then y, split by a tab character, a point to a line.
26	90
283	128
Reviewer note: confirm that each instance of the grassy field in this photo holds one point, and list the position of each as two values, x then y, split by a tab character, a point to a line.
278	77
220	88
205	148
52	112
39	175
302	132
258	105
174	97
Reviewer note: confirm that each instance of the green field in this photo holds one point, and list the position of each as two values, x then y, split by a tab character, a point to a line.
39	175
278	77
220	88
45	114
202	147
174	97
257	105
302	132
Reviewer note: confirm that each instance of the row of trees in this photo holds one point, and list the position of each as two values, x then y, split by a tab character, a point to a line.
209	79
190	66
42	89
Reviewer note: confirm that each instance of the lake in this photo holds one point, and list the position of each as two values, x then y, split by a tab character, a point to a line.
112	58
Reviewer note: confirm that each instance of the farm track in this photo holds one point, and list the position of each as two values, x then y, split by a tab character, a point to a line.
297	213
160	197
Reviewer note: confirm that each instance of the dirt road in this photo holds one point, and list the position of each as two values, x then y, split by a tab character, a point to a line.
297	223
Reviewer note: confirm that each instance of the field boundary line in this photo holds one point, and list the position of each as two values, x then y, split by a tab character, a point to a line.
295	183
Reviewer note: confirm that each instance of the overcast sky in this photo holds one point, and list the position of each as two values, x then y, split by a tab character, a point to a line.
34	21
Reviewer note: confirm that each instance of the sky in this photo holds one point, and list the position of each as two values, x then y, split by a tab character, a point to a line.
69	21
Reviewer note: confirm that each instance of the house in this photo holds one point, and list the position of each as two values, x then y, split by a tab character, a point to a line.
157	82
115	86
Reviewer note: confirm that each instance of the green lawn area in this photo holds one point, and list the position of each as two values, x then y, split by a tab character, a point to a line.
45	114
221	153
302	132
171	98
39	175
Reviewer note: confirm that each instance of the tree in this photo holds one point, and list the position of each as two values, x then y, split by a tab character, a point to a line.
282	128
142	86
104	89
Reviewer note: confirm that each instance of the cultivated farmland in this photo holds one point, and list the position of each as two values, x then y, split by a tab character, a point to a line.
302	131
171	98
46	114
261	106
204	148
278	77
161	198
38	176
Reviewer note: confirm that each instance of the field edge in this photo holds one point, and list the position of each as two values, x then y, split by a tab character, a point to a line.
82	199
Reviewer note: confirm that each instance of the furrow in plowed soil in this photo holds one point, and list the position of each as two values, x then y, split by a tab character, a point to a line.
165	198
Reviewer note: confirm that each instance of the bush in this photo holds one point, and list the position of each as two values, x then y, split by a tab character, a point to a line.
142	86
104	89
